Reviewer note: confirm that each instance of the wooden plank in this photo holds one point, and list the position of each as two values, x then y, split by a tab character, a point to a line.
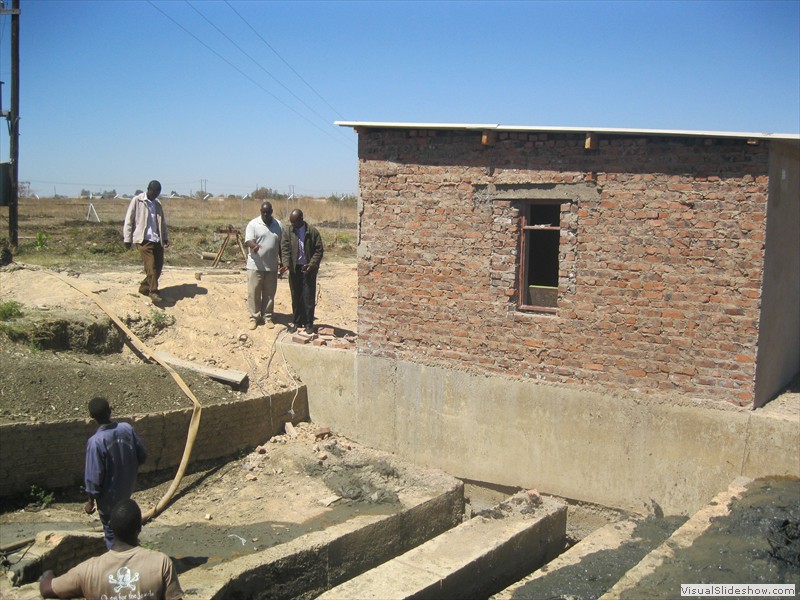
226	375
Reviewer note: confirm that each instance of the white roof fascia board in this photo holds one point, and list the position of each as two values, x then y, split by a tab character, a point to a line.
601	130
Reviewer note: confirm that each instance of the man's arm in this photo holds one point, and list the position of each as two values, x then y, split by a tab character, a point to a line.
141	452
127	228
316	255
164	231
172	587
286	249
46	585
94	471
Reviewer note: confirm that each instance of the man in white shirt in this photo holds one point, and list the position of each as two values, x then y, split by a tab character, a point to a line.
263	238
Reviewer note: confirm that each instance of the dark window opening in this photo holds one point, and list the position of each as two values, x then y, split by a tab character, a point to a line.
541	234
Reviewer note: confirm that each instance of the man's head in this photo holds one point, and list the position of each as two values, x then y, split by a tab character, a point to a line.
126	521
100	410
296	218
266	212
153	189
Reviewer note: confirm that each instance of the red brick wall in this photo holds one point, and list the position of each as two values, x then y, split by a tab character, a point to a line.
661	257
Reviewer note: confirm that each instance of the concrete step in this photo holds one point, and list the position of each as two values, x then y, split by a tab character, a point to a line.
472	560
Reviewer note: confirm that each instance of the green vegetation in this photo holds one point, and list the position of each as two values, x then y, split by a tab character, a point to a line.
10	309
40	498
161	320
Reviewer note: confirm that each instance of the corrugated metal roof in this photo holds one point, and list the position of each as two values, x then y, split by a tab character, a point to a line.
602	130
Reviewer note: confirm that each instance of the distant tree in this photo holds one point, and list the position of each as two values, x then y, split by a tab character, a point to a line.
174	193
343	199
108	194
137	192
264	193
24	189
85	193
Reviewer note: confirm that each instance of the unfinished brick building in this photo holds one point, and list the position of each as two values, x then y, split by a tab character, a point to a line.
655	261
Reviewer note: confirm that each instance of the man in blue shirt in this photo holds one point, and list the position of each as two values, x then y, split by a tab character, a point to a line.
113	456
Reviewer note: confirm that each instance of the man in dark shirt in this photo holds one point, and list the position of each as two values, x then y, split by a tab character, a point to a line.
301	253
113	456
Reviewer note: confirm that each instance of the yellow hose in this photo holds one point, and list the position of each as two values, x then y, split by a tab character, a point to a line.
194	424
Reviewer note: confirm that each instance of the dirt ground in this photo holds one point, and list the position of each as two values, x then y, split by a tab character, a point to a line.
209	327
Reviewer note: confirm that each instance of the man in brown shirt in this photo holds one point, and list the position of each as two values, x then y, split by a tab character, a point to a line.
126	571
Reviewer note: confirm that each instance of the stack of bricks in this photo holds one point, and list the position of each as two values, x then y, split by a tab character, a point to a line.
326	336
660	267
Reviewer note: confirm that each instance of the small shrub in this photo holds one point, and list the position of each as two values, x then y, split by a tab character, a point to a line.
161	320
40	498
10	310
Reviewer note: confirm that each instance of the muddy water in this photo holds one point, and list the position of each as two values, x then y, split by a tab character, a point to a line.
750	545
204	543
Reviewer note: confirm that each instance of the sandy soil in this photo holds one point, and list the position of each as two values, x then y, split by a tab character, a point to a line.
210	328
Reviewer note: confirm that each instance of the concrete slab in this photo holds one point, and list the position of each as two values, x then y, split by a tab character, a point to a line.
471	560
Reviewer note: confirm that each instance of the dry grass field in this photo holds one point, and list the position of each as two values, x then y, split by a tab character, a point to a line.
65	232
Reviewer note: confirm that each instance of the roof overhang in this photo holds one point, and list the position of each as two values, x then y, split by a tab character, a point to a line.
580	130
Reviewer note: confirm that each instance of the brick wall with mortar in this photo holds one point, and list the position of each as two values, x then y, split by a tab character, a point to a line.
52	455
661	257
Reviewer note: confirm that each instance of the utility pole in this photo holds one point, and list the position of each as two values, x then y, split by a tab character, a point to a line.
13	125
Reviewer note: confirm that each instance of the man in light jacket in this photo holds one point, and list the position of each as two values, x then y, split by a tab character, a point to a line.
146	227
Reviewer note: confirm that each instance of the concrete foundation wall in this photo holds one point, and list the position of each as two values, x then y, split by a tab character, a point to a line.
619	451
52	455
779	331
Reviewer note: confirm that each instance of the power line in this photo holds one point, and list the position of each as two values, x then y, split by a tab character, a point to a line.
259	65
246	76
267	44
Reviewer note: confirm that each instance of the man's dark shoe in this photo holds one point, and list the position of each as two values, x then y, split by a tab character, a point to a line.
144	291
291	327
156	298
309	329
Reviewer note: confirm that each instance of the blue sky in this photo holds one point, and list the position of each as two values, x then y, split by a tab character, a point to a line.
115	93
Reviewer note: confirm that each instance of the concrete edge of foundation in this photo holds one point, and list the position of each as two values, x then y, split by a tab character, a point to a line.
683	537
472	560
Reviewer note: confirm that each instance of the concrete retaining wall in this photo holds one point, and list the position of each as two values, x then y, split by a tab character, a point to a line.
615	450
52	455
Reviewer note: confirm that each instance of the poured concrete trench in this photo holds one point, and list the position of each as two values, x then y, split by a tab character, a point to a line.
326	515
337	520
